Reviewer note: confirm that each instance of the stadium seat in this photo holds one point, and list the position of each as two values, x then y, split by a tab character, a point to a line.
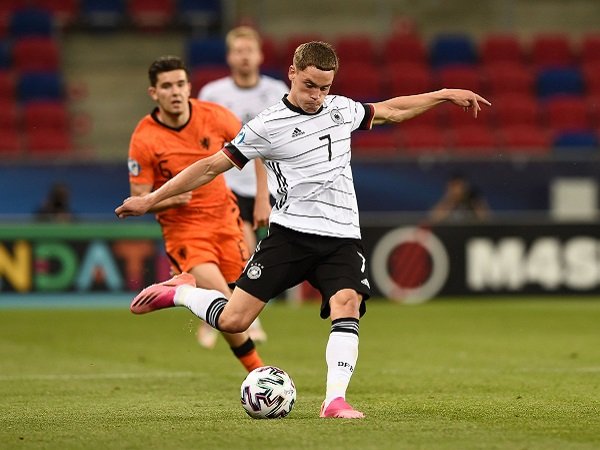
408	79
40	86
448	49
10	142
293	41
48	141
501	48
201	16
103	14
567	113
459	76
509	78
404	48
45	115
593	102
7	85
205	52
205	74
452	116
359	81
31	22
271	61
516	109
8	7
551	50
559	81
375	143
586	140
65	12
151	15
356	48
36	54
5	54
9	119
422	140
590	48
527	139
473	139
590	70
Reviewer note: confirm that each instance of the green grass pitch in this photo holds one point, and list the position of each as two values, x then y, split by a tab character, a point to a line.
480	374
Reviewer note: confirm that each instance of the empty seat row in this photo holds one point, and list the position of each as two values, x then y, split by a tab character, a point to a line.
26	17
471	140
31	53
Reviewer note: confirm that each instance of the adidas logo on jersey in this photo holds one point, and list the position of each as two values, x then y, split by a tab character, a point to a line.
297	132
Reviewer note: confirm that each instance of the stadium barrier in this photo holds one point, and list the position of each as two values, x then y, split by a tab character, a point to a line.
405	263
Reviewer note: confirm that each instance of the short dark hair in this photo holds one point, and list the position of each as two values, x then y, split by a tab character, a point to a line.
316	53
165	64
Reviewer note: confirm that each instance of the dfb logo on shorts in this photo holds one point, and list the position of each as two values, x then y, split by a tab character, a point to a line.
254	271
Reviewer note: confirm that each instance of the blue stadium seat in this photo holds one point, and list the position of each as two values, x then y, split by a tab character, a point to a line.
31	22
103	14
200	14
205	52
450	49
576	140
5	54
560	81
40	86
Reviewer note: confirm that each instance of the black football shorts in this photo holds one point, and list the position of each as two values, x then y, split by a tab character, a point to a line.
286	257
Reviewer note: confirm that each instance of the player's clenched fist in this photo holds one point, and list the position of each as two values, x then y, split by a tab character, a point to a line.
133	206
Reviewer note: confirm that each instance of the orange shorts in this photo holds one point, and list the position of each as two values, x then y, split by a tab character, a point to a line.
228	251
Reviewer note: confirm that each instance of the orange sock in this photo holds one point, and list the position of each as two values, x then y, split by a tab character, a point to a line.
251	360
248	355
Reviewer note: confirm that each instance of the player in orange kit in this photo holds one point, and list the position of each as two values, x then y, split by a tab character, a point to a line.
202	229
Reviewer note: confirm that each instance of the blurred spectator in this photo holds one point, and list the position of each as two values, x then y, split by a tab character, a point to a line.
56	207
461	202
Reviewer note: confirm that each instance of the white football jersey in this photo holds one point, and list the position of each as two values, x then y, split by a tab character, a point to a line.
308	162
245	103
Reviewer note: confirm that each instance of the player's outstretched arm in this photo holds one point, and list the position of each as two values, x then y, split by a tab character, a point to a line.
399	109
198	174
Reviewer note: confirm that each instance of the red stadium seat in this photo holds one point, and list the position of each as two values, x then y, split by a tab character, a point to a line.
552	50
48	141
591	69
46	115
509	78
590	48
36	54
453	115
376	142
9	119
527	139
593	102
64	11
8	85
359	81
10	142
501	48
271	60
516	109
356	48
151	14
408	79
473	140
203	75
567	113
293	41
404	48
423	139
459	76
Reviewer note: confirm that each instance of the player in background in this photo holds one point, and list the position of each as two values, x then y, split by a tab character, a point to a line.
202	228
246	93
314	231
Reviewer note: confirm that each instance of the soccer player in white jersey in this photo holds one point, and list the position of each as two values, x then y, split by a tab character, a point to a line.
314	230
246	93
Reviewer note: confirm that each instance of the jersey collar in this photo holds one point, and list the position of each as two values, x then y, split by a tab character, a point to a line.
154	115
298	110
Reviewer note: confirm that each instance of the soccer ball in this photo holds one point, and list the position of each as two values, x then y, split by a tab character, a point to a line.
268	393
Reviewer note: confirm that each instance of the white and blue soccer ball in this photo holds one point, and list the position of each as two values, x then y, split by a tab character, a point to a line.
268	393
